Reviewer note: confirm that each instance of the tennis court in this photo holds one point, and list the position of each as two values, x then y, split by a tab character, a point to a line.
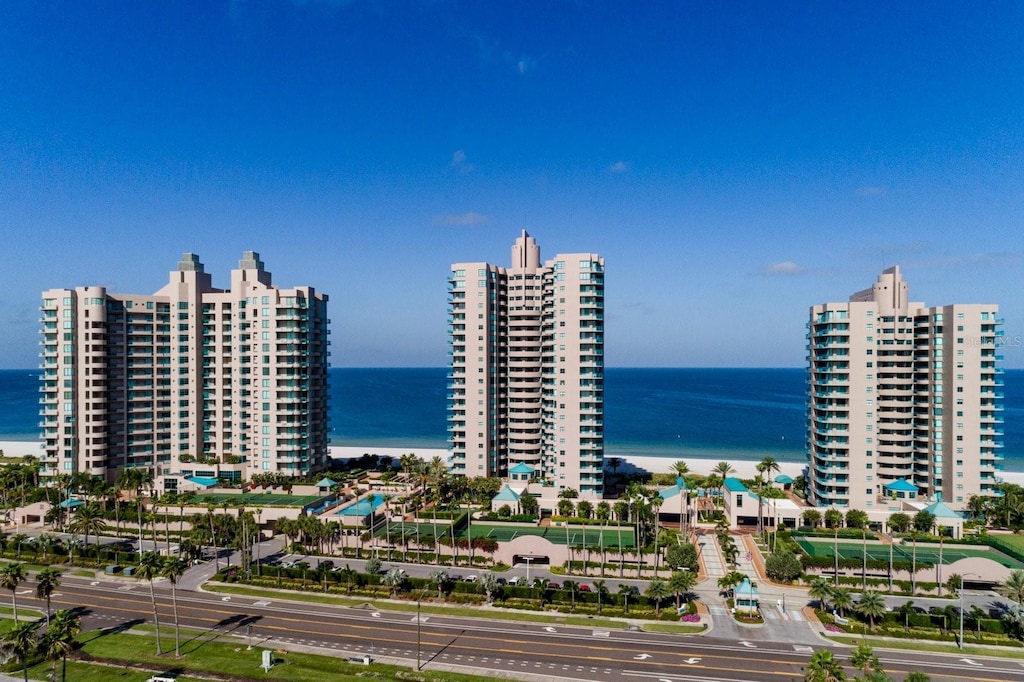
256	499
622	537
925	553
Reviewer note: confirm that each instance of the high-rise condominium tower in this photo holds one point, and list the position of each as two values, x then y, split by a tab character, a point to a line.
898	391
190	381
526	382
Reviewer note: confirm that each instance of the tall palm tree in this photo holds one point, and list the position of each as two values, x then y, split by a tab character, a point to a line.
1013	586
47	582
680	583
89	521
11	576
822	591
864	660
872	605
842	600
601	592
20	641
60	638
657	591
173	568
823	667
627	591
723	470
150	568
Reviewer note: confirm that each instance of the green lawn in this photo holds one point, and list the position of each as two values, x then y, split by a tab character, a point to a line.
209	654
904	552
256	499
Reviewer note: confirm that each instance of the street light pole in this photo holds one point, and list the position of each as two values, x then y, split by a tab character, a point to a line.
961	611
962	576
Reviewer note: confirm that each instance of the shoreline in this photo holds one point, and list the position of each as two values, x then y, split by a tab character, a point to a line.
745	467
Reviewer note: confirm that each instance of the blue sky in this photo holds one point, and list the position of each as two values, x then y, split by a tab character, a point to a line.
733	162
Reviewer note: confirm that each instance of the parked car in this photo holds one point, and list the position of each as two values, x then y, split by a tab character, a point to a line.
470	578
515	580
584	588
501	581
554	586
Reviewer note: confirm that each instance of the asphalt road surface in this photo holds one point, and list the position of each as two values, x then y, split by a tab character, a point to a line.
555	652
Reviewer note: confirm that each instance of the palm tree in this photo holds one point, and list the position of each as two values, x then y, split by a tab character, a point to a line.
824	667
680	583
657	591
723	469
150	568
440	578
822	591
601	591
47	582
11	576
89	520
765	468
1013	586
394	579
173	568
842	600
489	583
872	605
20	641
627	591
729	581
60	639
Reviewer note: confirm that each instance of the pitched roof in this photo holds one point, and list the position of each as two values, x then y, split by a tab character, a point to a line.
746	590
734	485
901	486
325	483
522	468
784	479
674	490
941	510
507	495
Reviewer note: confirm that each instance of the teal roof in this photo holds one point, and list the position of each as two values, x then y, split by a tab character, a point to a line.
734	485
901	486
71	503
325	483
672	491
522	468
941	510
745	590
507	494
784	479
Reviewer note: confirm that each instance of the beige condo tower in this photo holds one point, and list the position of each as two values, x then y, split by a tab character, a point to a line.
904	399
190	382
526	376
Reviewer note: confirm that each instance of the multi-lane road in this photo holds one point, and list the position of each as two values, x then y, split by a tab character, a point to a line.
488	646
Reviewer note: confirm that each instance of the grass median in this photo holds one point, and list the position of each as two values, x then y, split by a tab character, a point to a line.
425	607
934	647
131	657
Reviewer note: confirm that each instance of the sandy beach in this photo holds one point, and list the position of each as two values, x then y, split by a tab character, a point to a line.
745	468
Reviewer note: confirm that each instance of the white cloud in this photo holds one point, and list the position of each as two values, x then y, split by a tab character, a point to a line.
619	167
468	218
460	162
786	267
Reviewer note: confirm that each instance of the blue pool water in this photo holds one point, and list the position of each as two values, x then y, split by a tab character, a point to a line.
363	506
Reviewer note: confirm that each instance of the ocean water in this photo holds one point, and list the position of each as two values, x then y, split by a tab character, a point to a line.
731	414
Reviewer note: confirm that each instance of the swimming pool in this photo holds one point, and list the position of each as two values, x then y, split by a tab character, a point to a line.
363	507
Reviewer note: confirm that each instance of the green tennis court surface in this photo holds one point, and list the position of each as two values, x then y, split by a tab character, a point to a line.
925	553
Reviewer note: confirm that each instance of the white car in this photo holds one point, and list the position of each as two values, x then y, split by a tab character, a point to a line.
515	580
470	578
